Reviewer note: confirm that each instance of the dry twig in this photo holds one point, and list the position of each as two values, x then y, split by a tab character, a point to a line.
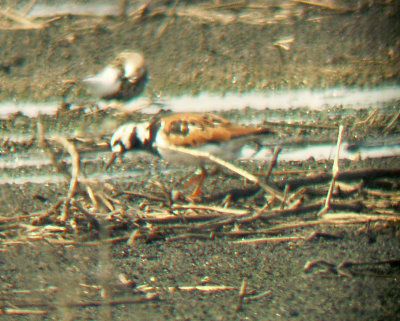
258	296
335	172
21	21
340	268
324	4
242	293
272	164
76	165
392	123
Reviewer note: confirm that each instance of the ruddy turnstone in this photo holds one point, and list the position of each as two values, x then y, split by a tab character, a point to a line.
203	132
123	79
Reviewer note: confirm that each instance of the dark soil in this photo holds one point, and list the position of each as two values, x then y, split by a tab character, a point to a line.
114	260
330	48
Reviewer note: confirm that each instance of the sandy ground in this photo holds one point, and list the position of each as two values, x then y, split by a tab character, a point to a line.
188	54
121	265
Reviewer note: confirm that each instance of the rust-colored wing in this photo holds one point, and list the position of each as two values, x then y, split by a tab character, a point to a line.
196	129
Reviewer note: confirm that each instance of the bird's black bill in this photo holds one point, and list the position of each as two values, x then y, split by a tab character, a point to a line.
111	160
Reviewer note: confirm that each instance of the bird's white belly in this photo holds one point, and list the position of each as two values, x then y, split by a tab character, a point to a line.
224	150
106	82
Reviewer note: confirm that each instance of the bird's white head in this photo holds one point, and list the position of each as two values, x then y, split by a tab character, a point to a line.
129	136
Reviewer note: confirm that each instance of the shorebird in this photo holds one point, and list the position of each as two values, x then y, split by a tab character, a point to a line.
123	79
204	132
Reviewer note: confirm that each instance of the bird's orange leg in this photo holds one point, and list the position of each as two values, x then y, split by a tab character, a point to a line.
198	178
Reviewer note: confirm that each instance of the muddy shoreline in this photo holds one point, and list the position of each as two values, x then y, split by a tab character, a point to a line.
130	261
190	55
